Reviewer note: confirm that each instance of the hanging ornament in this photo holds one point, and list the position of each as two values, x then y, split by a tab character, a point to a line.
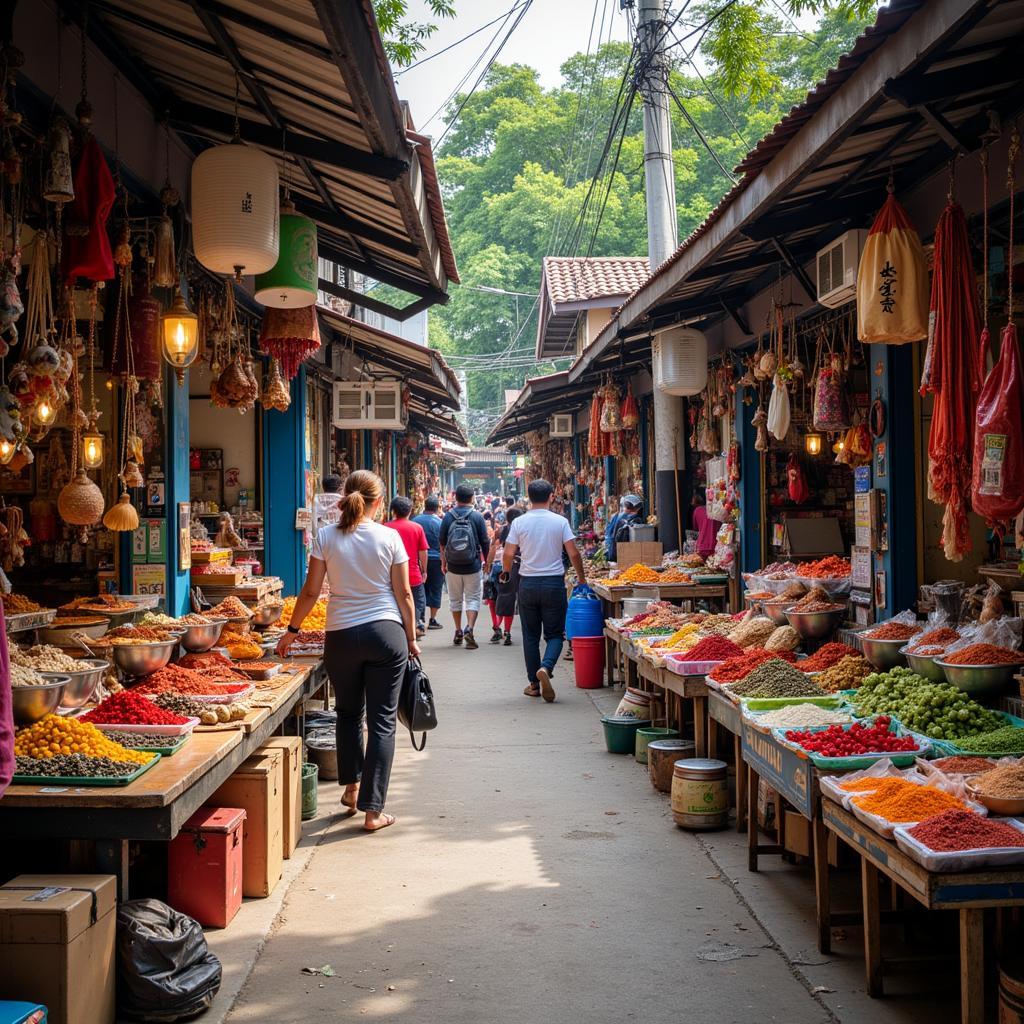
58	185
275	394
165	262
122	516
293	280
86	249
290	336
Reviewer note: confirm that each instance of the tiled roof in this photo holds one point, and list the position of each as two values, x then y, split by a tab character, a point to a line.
579	279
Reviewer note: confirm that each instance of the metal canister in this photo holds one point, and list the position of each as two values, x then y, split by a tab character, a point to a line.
700	793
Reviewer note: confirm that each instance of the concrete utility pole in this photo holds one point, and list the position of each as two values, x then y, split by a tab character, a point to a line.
662	240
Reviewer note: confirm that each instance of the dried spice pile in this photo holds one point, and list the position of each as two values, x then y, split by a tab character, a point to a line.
958	764
18	604
753	632
897	800
738	668
638	573
846	674
183	680
985	654
802	715
785	638
776	678
713	648
956	830
44	658
1005	782
893	631
55	735
829	568
129	708
827	656
940	638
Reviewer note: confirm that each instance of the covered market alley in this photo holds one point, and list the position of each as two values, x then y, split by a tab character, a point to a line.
532	877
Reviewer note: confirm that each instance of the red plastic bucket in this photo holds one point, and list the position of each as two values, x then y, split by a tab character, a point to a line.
588	661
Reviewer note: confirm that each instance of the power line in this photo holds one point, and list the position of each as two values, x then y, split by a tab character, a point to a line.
700	134
459	42
487	67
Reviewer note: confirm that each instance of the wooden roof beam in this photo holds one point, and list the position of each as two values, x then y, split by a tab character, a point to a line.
382	274
401	314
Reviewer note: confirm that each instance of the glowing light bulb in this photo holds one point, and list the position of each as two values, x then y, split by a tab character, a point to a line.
46	412
92	450
6	451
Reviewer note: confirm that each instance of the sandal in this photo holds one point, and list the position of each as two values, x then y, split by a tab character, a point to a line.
382	822
350	808
532	691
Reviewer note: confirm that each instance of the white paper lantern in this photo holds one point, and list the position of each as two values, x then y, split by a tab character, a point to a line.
235	216
680	361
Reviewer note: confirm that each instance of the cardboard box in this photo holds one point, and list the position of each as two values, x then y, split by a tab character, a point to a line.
57	945
647	552
291	746
798	834
258	788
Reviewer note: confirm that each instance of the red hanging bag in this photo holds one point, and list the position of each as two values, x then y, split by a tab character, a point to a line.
997	484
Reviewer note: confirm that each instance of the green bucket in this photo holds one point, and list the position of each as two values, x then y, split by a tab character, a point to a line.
310	773
649	733
620	733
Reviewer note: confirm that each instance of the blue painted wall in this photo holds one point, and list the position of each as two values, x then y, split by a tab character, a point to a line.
897	385
284	487
750	525
176	439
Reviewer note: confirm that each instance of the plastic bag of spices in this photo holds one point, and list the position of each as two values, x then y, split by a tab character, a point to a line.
892	280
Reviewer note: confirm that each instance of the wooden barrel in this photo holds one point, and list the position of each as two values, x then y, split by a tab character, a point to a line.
1011	993
661	758
700	794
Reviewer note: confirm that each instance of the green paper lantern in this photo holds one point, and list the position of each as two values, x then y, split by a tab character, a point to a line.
292	281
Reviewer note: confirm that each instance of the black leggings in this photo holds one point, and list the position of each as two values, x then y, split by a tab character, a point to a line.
366	665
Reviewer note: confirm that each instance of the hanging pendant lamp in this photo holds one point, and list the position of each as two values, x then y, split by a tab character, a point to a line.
235	223
292	281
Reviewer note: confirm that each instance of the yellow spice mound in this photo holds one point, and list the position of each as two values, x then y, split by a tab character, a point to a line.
53	735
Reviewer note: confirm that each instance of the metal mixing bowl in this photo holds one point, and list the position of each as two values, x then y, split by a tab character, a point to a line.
82	684
63	636
816	625
197	639
267	614
883	654
978	679
240	625
141	659
34	702
924	665
776	611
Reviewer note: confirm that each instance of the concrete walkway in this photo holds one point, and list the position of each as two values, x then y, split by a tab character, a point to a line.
534	878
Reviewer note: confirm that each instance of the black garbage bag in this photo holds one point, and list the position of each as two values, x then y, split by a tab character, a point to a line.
165	971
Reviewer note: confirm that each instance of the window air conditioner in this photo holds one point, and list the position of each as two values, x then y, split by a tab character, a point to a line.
374	405
837	269
561	425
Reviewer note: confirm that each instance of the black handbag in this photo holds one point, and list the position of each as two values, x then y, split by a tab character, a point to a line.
416	709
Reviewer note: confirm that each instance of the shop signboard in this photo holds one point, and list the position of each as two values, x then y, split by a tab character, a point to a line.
862	479
860	562
149	579
862	519
780	767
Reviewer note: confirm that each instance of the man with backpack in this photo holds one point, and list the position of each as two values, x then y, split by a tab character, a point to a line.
464	543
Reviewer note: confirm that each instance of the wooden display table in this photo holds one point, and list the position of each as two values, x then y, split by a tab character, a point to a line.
725	714
613	596
158	803
969	893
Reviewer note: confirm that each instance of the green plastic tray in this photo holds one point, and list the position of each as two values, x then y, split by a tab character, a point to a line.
950	748
168	751
83	780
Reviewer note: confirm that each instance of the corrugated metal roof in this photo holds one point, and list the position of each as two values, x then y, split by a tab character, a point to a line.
313	82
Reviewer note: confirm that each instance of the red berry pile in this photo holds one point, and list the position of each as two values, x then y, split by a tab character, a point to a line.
127	708
837	741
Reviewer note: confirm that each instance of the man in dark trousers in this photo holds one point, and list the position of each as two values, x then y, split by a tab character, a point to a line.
430	520
464	544
540	537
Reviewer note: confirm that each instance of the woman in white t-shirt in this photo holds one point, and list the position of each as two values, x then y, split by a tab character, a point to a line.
371	633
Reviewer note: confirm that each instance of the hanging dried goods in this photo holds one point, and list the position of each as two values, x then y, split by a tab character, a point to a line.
846	674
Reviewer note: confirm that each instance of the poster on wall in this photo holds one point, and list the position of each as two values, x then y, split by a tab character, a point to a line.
184	535
149	579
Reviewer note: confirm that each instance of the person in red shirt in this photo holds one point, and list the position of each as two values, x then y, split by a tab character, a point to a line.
416	546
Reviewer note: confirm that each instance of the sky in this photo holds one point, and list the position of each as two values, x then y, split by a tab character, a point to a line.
550	32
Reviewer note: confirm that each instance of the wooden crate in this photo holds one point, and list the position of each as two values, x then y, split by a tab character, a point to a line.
251	591
215	555
219	580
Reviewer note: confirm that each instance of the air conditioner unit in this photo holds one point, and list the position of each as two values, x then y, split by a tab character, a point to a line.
561	425
837	269
368	405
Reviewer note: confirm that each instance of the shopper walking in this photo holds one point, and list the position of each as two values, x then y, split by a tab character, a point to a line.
464	544
503	604
539	537
371	632
416	547
430	521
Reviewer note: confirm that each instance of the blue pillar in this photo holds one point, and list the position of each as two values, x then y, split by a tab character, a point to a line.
284	487
899	485
750	525
176	441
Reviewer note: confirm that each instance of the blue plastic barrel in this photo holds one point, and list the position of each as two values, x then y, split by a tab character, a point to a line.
585	616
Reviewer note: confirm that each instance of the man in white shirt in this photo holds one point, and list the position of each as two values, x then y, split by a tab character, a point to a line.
539	537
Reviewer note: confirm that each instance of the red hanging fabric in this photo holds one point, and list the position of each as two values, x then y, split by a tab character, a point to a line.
88	255
595	442
953	375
